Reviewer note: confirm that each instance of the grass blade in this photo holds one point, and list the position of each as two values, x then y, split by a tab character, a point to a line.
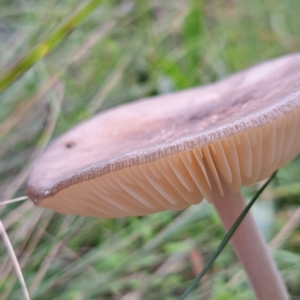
24	63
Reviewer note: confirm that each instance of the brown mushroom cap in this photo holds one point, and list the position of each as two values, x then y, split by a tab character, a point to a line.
159	153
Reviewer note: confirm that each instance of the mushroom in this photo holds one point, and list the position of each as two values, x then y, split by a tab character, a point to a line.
171	151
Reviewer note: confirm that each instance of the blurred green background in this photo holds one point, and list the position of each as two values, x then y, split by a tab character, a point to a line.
123	51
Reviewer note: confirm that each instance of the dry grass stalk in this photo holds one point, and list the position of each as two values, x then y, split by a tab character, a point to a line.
47	134
14	259
112	80
5	202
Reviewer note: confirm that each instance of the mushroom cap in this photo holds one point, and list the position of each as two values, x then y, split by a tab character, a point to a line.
161	153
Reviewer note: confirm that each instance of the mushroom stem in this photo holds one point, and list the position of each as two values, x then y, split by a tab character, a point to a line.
250	247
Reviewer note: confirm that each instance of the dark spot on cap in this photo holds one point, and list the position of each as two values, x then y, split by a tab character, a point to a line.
70	145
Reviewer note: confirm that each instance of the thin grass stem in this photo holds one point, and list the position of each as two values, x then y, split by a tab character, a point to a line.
14	260
13	200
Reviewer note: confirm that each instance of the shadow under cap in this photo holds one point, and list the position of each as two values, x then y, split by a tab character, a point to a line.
134	144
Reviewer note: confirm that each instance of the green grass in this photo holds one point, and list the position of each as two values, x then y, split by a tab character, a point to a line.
121	52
